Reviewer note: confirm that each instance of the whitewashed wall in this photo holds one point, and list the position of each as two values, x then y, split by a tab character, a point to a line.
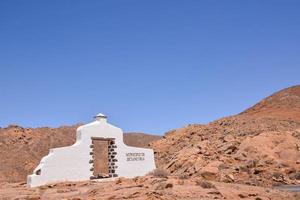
71	163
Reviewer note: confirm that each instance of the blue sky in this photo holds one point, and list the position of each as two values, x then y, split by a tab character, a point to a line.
151	66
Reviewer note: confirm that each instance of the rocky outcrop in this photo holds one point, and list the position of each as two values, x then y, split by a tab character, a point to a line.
250	148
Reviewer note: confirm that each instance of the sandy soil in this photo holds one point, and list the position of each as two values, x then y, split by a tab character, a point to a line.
148	187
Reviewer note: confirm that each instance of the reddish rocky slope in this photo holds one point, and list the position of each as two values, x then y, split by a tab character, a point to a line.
260	146
284	104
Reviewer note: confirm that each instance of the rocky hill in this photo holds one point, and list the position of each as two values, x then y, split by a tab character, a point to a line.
139	139
284	104
260	146
21	149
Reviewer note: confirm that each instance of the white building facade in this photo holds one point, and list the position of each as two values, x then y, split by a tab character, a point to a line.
99	153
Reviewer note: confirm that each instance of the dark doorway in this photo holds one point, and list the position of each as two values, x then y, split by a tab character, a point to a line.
104	162
100	154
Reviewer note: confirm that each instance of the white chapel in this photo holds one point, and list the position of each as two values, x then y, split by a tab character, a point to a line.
98	153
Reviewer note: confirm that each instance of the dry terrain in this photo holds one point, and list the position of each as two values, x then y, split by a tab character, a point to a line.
236	157
142	188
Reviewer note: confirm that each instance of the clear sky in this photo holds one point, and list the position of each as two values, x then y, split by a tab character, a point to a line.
151	66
